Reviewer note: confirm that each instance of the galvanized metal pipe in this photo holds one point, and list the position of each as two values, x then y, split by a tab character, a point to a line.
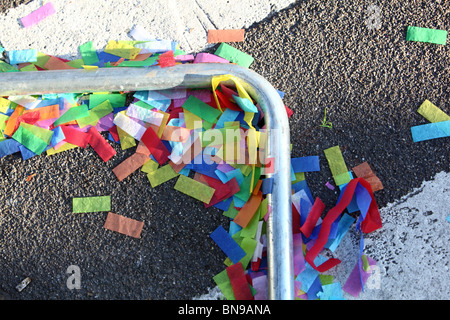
279	224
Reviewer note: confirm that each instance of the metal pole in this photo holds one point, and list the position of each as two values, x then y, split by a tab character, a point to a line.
279	224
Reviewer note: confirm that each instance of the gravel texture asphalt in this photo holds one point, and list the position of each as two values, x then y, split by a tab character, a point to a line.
321	55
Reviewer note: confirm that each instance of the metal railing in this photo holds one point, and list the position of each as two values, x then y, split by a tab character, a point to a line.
279	223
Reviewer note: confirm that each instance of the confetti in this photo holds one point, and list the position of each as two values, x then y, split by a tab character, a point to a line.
91	204
234	55
124	225
38	15
227	35
426	35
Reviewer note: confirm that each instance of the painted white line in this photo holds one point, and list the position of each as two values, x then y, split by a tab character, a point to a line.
411	248
78	21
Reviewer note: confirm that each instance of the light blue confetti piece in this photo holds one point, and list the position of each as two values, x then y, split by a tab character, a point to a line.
332	291
238	203
57	137
245	104
309	275
430	131
234	228
448	218
22	56
228	115
344	225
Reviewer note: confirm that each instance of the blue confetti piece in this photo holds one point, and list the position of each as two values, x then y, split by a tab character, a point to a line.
227	244
305	164
430	131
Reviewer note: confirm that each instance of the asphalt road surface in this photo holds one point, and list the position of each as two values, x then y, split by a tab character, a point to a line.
321	55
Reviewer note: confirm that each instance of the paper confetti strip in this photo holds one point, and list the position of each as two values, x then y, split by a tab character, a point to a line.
130	165
38	15
161	175
227	244
239	282
305	164
426	35
124	225
234	55
364	171
226	35
337	165
100	145
91	204
194	189
431	131
432	113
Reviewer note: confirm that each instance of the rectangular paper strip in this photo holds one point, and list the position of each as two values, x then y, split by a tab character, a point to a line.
432	113
130	165
426	35
38	15
91	204
194	189
337	165
430	131
228	245
124	225
227	35
100	145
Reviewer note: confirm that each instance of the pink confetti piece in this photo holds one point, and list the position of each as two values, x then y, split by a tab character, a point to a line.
38	15
204	57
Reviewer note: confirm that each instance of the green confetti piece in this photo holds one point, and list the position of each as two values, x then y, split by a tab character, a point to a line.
365	262
6	67
42	59
299	176
325	279
3	119
77	63
248	245
435	36
73	113
145	63
432	113
30	67
194	189
343	178
95	114
337	165
126	141
263	208
91	204
161	175
88	53
150	166
231	212
234	55
44	134
223	282
117	100
201	109
29	140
